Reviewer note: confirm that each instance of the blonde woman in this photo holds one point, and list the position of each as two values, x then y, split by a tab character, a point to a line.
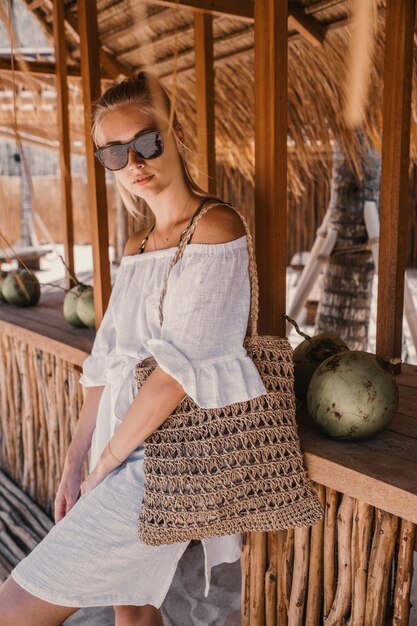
92	556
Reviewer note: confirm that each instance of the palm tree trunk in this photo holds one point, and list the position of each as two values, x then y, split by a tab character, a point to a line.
346	286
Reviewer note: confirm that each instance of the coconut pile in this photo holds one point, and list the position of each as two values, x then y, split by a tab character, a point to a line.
349	394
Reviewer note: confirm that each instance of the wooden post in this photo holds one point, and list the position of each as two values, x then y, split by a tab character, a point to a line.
63	133
90	73
204	96
270	236
399	33
271	161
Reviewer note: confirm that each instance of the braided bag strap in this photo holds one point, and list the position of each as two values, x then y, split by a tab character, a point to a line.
253	273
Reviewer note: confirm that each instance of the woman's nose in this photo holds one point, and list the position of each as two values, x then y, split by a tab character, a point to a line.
134	160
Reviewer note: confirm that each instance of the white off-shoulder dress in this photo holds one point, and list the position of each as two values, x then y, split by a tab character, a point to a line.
93	556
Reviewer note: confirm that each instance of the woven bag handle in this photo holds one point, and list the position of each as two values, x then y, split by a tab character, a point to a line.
253	273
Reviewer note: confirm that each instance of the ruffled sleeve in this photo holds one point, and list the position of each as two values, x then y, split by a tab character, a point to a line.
104	342
206	311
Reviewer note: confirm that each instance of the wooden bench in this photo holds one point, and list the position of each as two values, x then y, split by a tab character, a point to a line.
30	255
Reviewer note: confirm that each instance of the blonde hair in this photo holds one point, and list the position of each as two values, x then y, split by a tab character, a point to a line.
149	96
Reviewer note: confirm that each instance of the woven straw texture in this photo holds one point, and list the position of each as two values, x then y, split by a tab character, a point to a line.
221	471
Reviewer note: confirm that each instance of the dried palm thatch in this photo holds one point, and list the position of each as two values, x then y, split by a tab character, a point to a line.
159	38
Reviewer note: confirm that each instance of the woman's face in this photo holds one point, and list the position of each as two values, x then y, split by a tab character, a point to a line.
122	125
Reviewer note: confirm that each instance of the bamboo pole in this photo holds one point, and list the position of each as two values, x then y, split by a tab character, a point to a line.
342	599
404	574
257	575
361	535
245	569
382	550
299	578
285	558
315	575
271	580
329	549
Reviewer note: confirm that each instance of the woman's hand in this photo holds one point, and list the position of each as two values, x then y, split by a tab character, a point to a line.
98	474
68	490
105	465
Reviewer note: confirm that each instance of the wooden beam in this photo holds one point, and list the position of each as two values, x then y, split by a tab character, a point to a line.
399	33
114	68
323	5
44	68
204	83
243	9
237	38
114	36
90	69
169	38
308	27
34	137
63	133
271	161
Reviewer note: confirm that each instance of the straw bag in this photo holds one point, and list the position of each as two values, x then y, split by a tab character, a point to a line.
221	471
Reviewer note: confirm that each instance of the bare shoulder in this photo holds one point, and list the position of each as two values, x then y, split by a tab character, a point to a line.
219	225
134	241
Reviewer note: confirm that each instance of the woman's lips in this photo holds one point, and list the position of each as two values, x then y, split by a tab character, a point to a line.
142	181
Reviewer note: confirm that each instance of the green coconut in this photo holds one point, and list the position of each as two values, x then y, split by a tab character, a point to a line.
3	275
21	287
70	305
85	307
353	395
309	354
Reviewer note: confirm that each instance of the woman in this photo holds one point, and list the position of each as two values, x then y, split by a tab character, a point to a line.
92	556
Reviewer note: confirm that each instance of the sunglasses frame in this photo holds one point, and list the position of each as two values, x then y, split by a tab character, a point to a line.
130	145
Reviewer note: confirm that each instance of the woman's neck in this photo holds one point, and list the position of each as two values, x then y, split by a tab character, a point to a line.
168	235
169	211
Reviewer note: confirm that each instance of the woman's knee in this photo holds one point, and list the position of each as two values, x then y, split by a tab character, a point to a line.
18	607
130	615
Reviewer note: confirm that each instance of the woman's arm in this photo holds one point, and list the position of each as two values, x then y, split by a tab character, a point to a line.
81	440
157	398
69	486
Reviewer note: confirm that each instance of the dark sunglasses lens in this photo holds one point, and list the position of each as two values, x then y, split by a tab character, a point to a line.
149	145
114	157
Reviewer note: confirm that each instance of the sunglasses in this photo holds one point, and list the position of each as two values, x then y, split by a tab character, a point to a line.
146	144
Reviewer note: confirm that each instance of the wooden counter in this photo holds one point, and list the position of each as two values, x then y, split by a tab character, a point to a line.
382	470
44	326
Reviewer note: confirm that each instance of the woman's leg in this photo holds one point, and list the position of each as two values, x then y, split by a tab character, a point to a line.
18	607
147	615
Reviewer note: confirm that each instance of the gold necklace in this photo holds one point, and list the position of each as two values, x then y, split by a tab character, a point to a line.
167	237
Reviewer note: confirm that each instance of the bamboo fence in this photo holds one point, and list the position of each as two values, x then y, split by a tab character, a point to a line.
353	568
40	400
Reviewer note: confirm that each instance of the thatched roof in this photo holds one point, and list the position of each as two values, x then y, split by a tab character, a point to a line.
136	35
